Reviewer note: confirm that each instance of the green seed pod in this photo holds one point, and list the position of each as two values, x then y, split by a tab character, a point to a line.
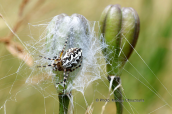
120	30
110	26
129	33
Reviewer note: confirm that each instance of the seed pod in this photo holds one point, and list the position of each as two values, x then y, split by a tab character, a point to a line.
129	33
110	26
52	33
76	31
119	29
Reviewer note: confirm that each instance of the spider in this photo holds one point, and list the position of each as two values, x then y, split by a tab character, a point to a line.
67	61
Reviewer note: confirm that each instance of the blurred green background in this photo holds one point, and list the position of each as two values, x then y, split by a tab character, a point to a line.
154	46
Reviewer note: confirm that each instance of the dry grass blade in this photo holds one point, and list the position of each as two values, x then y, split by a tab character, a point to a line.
16	27
14	48
22	6
17	50
1	15
89	109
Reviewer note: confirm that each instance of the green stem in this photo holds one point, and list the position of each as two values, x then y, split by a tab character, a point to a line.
117	93
63	103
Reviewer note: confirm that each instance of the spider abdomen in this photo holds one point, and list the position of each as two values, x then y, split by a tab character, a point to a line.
72	58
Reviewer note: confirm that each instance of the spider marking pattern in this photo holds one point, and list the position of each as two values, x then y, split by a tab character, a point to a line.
67	61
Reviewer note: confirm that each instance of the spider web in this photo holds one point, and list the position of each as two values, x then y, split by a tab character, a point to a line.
24	86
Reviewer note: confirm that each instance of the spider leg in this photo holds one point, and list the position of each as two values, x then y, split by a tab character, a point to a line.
47	65
58	83
75	68
64	80
55	57
65	76
47	58
64	47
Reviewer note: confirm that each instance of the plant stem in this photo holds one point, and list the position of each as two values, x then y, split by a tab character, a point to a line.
63	103
117	93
